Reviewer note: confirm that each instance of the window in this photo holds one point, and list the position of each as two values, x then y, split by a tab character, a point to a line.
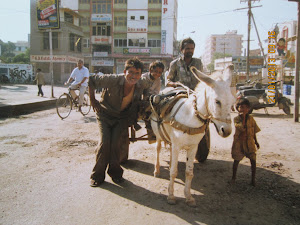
75	42
154	43
142	17
101	6
120	21
121	1
154	1
86	42
85	21
133	42
46	44
120	42
154	21
101	30
68	18
72	42
132	17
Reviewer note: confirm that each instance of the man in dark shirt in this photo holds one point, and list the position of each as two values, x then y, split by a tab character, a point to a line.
116	111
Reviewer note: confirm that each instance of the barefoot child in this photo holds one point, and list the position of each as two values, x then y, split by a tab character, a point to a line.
244	140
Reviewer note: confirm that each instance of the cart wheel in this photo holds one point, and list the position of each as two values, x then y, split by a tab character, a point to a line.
203	147
63	106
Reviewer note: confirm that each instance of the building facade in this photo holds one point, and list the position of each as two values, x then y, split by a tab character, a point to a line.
115	30
66	45
229	43
21	47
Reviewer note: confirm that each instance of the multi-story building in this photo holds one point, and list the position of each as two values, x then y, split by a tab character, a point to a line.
21	47
229	43
105	33
66	44
115	30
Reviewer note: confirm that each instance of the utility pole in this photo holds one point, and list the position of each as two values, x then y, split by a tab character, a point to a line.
224	44
296	82
249	30
51	62
248	39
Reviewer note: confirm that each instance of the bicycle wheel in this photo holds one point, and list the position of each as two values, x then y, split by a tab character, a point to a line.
63	106
86	105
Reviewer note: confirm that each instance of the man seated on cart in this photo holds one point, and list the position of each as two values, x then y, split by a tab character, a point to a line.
79	76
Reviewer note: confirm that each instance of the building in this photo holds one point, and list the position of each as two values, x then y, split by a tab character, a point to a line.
66	44
240	63
229	43
21	47
115	30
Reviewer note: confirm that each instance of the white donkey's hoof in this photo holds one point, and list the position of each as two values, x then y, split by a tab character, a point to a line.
191	202
171	200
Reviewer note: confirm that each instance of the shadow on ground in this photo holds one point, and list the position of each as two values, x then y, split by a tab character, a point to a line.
275	200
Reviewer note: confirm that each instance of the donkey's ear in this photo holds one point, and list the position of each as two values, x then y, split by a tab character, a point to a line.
203	77
227	74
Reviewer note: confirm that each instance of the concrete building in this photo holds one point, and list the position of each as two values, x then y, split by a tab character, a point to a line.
229	43
115	30
66	44
105	33
21	47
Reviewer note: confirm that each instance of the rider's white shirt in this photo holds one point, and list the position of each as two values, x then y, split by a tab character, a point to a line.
79	74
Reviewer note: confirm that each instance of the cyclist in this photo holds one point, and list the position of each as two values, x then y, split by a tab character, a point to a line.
79	76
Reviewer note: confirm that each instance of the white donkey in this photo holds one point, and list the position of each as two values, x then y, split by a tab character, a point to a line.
184	126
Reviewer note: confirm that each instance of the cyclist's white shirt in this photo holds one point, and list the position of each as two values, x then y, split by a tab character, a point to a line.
79	74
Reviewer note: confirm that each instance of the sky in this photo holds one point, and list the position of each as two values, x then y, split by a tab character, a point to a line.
197	19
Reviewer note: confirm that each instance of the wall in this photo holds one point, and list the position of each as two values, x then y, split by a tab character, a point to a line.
15	73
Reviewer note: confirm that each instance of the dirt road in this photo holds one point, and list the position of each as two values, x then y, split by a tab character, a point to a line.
45	165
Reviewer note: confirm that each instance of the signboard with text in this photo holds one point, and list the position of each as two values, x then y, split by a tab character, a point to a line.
101	17
55	58
47	14
141	51
102	62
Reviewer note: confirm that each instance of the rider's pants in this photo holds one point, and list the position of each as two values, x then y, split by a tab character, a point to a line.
82	90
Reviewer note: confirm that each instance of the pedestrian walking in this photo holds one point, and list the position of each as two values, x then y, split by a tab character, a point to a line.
40	81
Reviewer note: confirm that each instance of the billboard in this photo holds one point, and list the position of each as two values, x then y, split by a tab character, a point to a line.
47	14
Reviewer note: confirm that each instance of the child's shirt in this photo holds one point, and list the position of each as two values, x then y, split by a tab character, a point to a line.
246	133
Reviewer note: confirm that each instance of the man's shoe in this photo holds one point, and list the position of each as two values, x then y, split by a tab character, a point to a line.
95	183
118	180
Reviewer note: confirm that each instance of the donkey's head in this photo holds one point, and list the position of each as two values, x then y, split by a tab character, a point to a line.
218	99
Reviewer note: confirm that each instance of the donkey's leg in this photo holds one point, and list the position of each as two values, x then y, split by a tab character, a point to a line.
157	164
173	174
189	174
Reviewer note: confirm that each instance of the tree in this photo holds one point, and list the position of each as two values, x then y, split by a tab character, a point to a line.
7	55
7	51
23	58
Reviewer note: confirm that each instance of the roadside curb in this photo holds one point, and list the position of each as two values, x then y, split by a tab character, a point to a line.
20	109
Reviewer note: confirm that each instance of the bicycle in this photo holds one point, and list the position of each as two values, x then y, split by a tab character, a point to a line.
65	103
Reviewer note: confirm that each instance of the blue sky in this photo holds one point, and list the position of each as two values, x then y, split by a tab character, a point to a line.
202	17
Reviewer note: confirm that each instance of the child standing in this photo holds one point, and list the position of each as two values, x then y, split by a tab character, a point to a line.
244	141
